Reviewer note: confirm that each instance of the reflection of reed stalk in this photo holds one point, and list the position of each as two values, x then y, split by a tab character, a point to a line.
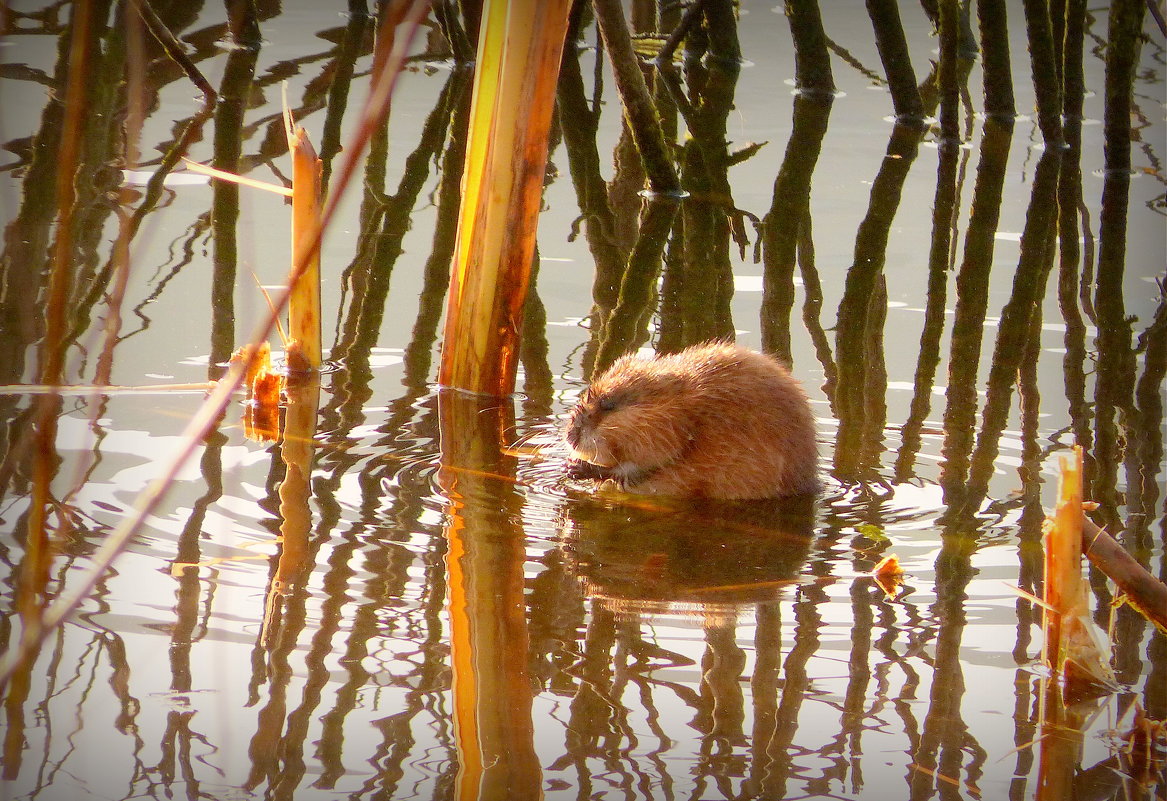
897	64
1015	327
34	568
638	107
939	259
812	62
859	330
1116	360
235	91
972	297
947	73
492	694
998	75
1046	71
628	323
788	217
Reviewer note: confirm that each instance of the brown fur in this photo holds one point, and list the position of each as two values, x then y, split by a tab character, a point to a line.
715	420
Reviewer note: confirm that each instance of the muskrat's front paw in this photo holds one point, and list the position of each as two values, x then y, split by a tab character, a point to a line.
581	470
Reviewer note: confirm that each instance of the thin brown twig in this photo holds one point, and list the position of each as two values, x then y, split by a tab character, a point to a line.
174	48
688	20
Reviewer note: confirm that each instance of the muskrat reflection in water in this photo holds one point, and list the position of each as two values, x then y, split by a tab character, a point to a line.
715	420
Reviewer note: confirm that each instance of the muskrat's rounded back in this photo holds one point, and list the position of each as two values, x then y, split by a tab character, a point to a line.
714	420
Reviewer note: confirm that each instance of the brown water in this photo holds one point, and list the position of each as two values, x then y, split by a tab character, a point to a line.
466	623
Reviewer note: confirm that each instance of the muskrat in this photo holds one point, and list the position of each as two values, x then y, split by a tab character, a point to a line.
715	420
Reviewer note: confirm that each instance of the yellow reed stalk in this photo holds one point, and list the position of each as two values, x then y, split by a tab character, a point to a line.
304	300
519	49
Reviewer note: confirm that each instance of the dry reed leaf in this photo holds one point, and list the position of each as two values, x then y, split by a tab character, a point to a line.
101	389
223	175
178	568
973	790
1033	599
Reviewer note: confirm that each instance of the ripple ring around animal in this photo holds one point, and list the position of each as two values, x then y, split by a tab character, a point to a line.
715	420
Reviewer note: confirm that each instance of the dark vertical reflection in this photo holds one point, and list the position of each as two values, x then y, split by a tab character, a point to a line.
972	294
764	688
796	684
1016	326
945	738
1069	269
538	389
812	62
720	707
384	226
578	121
947	80
897	64
234	100
1116	372
859	394
998	75
1115	357
1046	68
700	282
939	264
179	736
627	326
788	217
356	32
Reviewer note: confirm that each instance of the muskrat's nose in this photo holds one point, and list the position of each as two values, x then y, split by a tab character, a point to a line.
575	426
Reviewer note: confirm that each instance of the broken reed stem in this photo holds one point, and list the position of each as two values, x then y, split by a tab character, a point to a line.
1063	591
304	278
209	414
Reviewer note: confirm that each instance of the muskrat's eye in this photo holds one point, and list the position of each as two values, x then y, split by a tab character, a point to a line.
607	404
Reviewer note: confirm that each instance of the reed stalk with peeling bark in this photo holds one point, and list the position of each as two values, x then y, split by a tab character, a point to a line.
519	49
